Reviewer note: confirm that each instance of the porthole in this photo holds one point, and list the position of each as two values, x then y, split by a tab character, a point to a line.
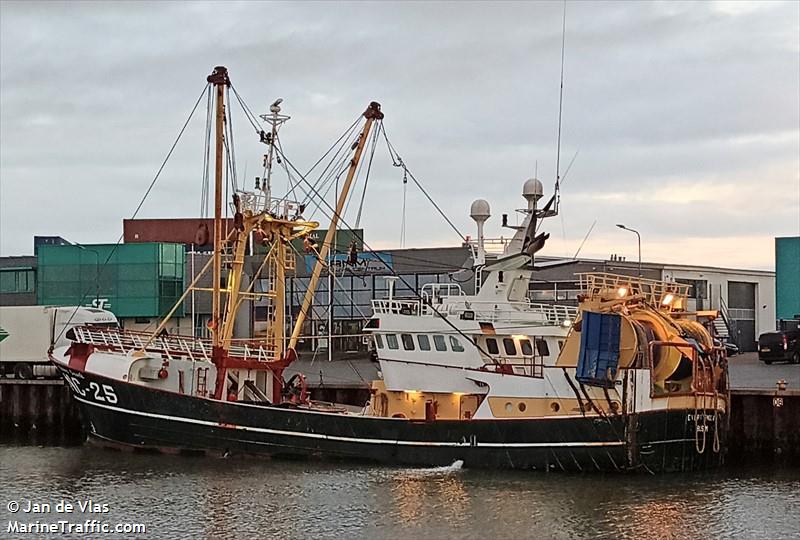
509	407
555	407
521	406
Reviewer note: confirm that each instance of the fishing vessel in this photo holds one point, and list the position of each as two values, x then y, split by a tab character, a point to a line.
627	381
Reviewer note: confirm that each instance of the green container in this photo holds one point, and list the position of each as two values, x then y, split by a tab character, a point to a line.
787	277
131	280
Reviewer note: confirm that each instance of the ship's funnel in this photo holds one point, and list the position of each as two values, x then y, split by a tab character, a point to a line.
480	212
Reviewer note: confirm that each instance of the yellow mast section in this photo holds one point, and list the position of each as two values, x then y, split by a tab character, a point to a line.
372	113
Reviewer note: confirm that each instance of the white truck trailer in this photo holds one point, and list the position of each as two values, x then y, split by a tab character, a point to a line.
28	332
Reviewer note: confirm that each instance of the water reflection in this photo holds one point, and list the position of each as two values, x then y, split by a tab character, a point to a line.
193	497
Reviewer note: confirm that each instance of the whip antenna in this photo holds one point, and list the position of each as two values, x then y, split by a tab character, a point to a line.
560	104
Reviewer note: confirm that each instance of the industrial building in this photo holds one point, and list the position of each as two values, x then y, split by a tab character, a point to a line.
142	278
787	277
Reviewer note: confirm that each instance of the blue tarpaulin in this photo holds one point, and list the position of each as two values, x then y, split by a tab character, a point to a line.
599	355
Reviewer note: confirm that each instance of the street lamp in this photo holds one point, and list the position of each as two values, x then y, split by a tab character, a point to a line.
96	272
639	239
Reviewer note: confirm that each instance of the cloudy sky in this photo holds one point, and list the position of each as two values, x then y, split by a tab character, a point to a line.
685	116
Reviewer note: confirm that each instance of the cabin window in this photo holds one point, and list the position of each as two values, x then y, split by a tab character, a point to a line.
439	343
456	345
424	342
391	341
560	344
408	341
491	344
378	341
509	346
525	345
542	348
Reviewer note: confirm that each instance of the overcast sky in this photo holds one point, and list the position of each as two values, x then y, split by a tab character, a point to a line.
685	116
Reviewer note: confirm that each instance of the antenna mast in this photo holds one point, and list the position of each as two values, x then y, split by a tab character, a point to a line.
560	104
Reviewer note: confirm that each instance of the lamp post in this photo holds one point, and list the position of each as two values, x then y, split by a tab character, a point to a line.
639	241
96	273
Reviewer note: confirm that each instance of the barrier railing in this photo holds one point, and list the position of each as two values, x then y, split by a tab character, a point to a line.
545	314
172	345
654	291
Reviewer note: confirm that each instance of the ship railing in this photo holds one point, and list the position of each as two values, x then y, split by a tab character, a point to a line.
495	246
529	312
258	201
172	345
654	291
546	314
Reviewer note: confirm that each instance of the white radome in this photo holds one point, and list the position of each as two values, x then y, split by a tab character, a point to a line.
532	189
479	210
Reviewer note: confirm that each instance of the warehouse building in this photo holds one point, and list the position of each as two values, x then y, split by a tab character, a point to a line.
140	280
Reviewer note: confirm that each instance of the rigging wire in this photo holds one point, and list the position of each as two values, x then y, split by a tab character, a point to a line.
366	179
229	140
397	161
139	206
371	144
469	339
206	187
169	154
253	119
403	218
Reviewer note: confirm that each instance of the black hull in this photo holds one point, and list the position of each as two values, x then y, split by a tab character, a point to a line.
139	417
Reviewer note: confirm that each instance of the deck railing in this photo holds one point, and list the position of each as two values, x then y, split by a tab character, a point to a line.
654	291
543	314
173	346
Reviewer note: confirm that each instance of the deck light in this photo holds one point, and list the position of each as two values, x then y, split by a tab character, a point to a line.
566	323
667	300
622	291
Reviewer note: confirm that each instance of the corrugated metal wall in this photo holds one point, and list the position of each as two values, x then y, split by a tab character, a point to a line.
131	280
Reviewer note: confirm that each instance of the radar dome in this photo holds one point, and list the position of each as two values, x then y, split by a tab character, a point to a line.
479	210
532	190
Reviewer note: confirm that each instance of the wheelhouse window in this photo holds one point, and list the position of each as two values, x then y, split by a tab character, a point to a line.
439	343
542	348
456	345
408	341
509	346
491	345
378	341
525	345
424	342
391	341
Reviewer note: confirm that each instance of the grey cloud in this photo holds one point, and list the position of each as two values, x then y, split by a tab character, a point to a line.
92	95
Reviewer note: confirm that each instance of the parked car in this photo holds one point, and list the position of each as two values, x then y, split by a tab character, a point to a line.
779	346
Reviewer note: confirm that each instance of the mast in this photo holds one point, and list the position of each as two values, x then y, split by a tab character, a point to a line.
219	78
372	113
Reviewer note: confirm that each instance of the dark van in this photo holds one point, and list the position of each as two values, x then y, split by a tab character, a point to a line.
779	347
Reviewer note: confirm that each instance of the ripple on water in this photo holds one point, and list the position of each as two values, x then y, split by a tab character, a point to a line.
214	498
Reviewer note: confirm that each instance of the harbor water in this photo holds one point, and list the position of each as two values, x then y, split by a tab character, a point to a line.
175	496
